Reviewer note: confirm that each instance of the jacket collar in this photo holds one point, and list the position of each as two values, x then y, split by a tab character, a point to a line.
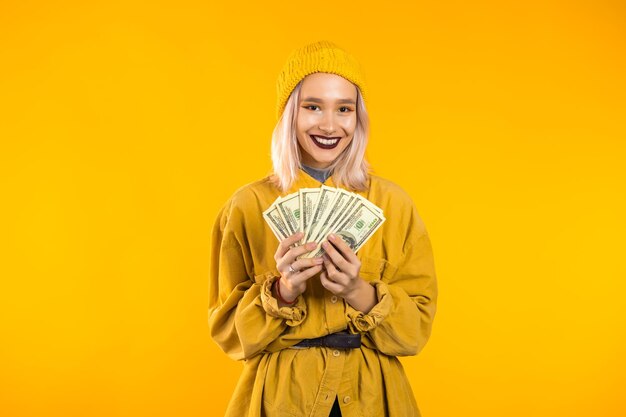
304	180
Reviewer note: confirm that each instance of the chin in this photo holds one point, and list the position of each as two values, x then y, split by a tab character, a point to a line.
324	161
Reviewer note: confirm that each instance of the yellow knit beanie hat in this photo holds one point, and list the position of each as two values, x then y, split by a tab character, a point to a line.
322	56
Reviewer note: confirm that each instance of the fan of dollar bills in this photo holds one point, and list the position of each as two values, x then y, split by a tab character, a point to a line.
320	211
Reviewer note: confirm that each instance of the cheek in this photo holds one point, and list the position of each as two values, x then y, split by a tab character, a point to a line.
349	124
306	120
346	144
301	128
301	139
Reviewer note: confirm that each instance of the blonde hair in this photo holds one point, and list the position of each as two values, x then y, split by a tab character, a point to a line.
350	169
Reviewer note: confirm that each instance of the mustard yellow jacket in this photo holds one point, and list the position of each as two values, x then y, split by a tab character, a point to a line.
246	322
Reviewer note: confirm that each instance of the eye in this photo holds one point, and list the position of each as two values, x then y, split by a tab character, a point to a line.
310	105
348	109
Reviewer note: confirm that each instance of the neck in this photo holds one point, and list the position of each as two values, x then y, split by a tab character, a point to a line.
325	169
320	174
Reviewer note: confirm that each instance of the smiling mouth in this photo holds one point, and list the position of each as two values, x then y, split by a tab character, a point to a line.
324	142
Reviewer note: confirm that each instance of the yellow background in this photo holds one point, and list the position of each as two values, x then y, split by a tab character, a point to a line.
125	125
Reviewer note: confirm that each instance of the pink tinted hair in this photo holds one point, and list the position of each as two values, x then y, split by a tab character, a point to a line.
350	169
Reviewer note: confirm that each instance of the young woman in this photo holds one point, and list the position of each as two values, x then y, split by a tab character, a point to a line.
321	336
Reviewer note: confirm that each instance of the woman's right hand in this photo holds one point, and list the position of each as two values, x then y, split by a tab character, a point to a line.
292	284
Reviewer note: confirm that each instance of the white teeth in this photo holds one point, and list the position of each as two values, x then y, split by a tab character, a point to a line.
326	141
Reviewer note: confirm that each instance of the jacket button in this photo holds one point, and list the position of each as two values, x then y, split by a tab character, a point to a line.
346	399
336	353
333	299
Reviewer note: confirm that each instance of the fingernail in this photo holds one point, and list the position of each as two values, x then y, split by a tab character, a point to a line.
331	236
318	260
311	245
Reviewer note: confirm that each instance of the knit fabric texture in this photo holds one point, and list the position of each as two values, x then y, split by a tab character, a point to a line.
321	56
319	174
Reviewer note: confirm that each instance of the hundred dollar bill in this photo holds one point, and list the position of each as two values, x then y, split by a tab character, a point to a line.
344	201
327	195
372	205
289	209
308	201
275	222
341	216
320	211
356	229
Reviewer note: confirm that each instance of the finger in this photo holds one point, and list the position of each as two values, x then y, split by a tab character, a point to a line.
329	285
343	248
330	267
303	263
292	254
300	277
286	243
333	274
335	256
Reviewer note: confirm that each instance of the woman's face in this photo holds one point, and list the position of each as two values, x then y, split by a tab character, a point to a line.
326	118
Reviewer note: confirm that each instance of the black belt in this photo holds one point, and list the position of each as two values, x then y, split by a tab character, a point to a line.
341	340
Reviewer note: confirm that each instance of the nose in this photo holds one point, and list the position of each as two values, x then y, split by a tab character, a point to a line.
327	124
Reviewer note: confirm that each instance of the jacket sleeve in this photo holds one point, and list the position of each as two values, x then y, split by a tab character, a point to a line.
244	317
400	323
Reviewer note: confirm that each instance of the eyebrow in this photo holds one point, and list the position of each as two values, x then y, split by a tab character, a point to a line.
317	100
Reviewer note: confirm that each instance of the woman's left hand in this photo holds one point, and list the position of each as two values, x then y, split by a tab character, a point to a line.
342	267
341	276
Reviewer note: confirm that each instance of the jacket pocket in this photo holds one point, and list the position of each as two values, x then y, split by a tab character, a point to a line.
372	268
376	269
